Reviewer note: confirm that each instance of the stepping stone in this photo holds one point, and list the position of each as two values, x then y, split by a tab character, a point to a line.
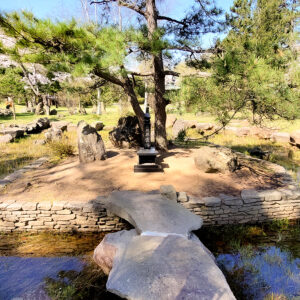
168	268
152	214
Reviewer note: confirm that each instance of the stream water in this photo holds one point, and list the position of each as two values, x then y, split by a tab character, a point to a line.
50	267
259	262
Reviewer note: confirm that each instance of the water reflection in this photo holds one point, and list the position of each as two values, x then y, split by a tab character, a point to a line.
263	272
23	278
49	266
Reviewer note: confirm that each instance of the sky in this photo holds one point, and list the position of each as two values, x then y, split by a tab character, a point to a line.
65	9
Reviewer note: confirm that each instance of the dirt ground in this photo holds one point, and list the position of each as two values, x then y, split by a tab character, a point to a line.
72	181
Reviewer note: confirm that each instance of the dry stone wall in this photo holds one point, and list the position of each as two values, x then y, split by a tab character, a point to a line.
251	206
57	216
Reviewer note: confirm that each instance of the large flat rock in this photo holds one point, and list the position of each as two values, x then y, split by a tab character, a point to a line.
152	214
106	251
166	268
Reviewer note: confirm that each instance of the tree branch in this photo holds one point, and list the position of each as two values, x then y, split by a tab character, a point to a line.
189	49
100	73
142	75
170	20
35	91
173	73
131	6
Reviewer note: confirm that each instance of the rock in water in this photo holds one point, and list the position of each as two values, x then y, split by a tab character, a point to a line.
127	134
216	159
90	144
168	268
106	251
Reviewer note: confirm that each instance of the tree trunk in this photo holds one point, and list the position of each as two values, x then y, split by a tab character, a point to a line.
31	104
98	112
103	109
39	109
46	105
13	107
159	81
134	103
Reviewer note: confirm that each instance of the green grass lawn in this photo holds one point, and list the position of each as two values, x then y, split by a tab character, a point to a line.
109	118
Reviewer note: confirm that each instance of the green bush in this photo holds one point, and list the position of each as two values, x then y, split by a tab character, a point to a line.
61	148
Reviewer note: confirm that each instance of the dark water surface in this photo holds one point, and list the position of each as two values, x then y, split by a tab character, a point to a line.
22	277
260	262
50	267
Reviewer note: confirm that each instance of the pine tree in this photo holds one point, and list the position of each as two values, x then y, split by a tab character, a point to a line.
66	46
252	72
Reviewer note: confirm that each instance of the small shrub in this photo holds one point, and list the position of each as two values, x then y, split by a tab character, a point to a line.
61	148
181	136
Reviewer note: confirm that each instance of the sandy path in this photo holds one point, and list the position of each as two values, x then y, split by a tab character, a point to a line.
73	181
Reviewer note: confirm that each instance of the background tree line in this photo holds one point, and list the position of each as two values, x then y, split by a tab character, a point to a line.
254	69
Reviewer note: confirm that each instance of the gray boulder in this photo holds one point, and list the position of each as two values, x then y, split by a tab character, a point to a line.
204	126
53	112
5	112
127	134
37	126
90	144
281	137
60	125
39	109
170	120
15	132
40	142
178	126
5	139
98	125
106	251
53	135
152	213
216	159
295	138
171	267
169	192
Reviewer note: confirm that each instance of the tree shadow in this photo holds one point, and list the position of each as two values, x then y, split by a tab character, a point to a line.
111	154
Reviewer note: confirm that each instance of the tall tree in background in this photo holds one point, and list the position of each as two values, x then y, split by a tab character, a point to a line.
165	34
103	53
252	72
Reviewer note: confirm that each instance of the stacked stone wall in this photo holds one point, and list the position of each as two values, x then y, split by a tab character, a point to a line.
251	206
57	216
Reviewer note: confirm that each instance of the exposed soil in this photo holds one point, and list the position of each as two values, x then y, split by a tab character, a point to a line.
72	181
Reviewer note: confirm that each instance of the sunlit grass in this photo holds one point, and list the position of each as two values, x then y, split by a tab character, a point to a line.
48	243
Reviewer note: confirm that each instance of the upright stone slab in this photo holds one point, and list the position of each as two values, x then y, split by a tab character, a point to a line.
90	144
168	268
152	213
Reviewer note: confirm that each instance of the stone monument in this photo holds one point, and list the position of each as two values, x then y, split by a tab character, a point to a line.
147	154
